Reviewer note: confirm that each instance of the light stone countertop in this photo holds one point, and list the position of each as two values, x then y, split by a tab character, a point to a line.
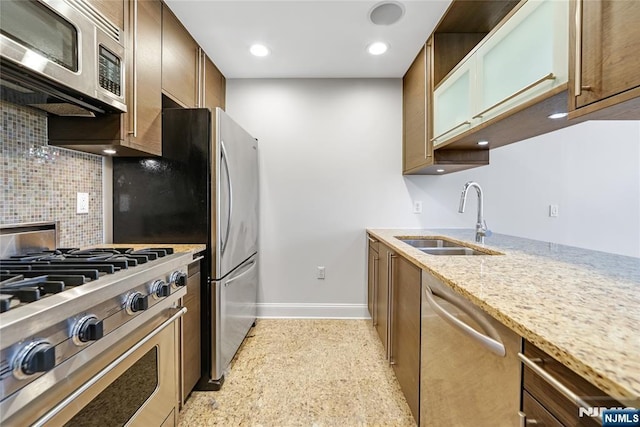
580	306
177	247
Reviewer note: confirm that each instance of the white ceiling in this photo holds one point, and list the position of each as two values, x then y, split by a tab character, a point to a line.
319	39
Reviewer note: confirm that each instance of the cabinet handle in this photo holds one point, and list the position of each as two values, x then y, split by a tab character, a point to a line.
466	122
375	291
556	384
427	151
578	53
390	258
549	76
199	77
134	83
524	421
371	240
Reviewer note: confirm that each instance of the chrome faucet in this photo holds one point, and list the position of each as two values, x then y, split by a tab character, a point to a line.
481	224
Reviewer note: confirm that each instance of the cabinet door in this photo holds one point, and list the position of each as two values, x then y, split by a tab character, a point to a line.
214	84
144	130
524	58
608	61
372	278
405	329
417	148
179	61
191	331
452	103
381	305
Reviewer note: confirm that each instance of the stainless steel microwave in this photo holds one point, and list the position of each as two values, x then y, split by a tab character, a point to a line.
66	49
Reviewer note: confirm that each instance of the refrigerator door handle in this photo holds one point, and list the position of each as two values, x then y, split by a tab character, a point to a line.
250	266
223	243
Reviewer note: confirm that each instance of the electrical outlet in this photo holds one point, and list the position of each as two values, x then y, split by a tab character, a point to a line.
553	211
417	207
82	206
320	273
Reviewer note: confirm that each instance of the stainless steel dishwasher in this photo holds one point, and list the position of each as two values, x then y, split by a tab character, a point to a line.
469	369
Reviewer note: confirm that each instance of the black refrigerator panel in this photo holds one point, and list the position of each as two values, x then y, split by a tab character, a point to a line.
167	199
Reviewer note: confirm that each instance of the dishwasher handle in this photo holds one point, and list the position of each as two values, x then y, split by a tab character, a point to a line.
491	341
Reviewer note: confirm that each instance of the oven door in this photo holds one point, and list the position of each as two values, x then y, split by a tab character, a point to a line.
126	386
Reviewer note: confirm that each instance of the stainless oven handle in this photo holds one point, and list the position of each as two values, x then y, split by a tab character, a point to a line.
86	386
491	341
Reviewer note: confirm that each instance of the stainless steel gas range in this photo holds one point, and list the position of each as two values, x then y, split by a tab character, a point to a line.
87	337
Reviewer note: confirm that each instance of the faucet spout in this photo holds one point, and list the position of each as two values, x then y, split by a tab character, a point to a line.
481	225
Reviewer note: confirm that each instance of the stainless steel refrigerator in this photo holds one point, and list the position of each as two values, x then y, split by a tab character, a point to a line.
202	190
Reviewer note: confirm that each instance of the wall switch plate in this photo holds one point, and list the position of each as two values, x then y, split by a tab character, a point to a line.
82	206
417	207
320	273
553	211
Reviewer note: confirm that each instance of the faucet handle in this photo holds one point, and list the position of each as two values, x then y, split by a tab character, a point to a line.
487	232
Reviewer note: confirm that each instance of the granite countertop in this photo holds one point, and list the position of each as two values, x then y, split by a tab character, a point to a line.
177	247
580	306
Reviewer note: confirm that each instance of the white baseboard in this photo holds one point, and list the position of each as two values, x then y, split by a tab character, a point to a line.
311	311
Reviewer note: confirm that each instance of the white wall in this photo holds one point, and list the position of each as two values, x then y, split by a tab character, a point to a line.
330	165
591	171
330	159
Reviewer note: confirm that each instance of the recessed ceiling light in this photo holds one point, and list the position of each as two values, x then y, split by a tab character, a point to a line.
386	13
377	48
109	151
439	170
558	115
482	143
259	50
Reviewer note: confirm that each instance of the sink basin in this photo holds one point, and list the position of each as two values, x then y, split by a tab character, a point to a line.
430	243
459	250
442	247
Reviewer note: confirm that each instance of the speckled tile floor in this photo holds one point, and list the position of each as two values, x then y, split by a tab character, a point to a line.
298	372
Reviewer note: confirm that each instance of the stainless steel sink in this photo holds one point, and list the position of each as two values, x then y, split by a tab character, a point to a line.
442	247
430	243
459	250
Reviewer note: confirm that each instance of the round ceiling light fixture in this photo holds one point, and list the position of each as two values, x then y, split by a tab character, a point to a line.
109	151
558	115
259	50
377	48
386	13
483	143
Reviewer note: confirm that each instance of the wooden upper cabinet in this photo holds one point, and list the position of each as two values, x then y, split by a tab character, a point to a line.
213	85
139	131
180	59
417	150
604	61
419	156
113	10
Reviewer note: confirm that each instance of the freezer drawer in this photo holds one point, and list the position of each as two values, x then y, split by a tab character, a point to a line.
235	307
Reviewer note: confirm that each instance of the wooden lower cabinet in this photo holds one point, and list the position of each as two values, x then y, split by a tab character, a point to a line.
191	332
543	404
405	329
381	298
372	277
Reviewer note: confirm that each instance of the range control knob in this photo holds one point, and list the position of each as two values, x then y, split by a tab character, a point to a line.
37	356
178	278
88	328
160	289
136	302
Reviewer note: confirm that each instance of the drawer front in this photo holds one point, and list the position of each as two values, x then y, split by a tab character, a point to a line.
536	414
564	409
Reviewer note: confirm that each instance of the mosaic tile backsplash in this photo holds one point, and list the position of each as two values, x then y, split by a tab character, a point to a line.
40	182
